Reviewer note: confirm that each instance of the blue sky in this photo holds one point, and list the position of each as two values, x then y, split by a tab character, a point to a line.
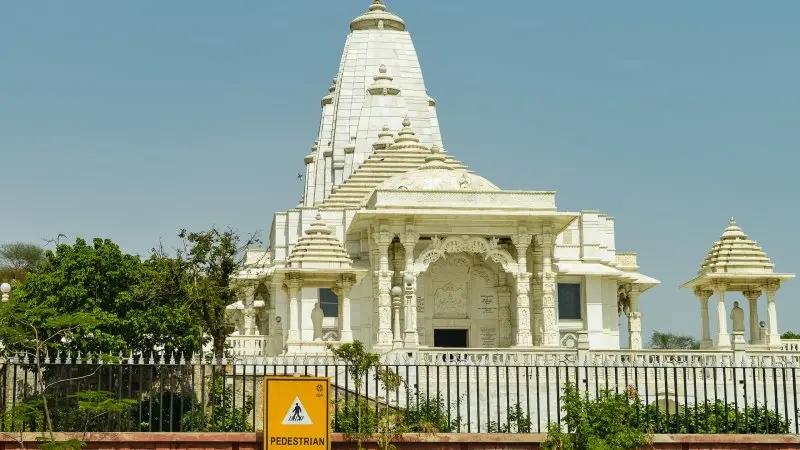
131	120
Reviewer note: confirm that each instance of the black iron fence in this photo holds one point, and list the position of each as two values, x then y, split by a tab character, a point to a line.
142	394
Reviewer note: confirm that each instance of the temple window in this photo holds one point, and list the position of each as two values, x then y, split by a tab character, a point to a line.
329	302
569	301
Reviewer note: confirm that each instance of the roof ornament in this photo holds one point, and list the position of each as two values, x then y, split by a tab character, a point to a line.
385	138
383	83
436	159
377	18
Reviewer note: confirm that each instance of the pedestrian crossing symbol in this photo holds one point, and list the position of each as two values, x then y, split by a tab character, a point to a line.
297	414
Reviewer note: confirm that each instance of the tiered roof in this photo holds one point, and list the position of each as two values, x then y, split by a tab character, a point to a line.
391	156
319	248
735	253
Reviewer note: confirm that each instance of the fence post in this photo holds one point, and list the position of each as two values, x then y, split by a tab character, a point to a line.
583	347
739	346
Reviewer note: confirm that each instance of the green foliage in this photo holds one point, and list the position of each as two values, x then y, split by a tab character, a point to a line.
606	422
716	418
790	335
429	415
360	362
165	411
94	299
669	341
355	416
21	256
213	257
220	413
519	421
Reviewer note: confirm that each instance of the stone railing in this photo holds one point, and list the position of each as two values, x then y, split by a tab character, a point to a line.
790	345
506	356
256	346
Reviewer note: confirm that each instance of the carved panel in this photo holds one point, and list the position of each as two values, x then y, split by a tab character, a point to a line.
450	301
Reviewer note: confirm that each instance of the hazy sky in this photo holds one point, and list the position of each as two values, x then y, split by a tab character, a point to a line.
131	120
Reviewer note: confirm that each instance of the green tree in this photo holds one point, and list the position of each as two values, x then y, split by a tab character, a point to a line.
31	329
21	255
212	259
790	335
139	305
17	259
669	341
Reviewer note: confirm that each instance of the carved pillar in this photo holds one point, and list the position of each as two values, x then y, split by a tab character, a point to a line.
522	240
705	333
411	335
752	298
248	314
634	320
723	337
396	292
773	338
293	289
550	332
382	240
342	290
536	292
274	326
504	313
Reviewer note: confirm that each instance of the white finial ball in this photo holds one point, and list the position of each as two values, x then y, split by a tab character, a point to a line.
5	288
397	291
408	278
406	122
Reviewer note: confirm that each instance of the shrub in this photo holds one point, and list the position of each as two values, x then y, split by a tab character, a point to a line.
609	421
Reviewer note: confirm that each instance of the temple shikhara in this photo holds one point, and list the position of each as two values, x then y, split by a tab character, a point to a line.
398	244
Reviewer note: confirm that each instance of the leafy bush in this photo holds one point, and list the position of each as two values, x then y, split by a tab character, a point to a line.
717	418
354	416
429	415
220	413
610	421
518	422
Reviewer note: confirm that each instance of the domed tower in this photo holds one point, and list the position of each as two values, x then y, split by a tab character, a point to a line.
378	84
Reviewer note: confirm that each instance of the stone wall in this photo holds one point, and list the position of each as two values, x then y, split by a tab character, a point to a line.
252	441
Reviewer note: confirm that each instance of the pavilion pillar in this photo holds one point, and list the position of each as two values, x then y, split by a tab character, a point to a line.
773	338
342	290
634	320
275	326
752	298
536	291
550	330
248	312
522	240
705	333
411	335
293	285
723	337
383	238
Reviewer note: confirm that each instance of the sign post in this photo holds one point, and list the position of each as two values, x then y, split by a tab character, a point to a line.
296	413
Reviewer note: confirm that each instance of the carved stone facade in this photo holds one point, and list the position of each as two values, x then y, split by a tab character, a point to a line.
417	250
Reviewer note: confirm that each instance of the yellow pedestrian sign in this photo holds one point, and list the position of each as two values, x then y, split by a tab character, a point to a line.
296	413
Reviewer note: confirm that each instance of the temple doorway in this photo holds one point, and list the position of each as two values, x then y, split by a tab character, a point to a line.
450	338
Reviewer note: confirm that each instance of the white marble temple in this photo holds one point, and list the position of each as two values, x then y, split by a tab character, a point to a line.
477	266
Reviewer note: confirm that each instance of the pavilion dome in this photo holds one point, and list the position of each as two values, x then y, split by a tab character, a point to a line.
734	253
377	18
437	175
319	248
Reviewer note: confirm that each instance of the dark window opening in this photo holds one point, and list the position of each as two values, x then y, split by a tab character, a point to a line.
569	301
450	338
329	302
